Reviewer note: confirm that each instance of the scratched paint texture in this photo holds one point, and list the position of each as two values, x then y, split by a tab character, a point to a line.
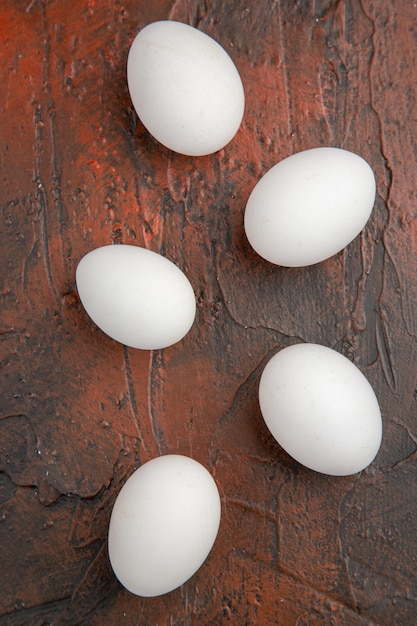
80	412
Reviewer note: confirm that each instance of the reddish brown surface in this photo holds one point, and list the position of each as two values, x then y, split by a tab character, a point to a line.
81	412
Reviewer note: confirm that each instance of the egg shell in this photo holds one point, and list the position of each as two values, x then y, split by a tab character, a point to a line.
309	206
163	525
321	409
136	296
184	87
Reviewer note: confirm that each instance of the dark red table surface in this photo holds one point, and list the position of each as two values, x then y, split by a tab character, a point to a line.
81	412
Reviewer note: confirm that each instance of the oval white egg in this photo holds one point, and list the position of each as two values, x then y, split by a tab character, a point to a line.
321	409
185	88
163	525
309	206
136	296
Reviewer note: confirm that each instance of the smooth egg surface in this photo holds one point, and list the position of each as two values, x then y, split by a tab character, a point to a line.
309	206
163	525
185	88
321	409
136	296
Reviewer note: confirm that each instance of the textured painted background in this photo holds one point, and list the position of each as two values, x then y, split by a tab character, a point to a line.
81	412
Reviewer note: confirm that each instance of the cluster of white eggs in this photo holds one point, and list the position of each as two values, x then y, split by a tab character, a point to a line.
317	404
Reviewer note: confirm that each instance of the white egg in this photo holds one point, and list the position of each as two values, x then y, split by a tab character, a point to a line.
309	206
163	525
321	409
136	296
185	88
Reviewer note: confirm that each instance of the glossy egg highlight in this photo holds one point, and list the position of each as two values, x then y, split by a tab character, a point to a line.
321	409
163	525
309	206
